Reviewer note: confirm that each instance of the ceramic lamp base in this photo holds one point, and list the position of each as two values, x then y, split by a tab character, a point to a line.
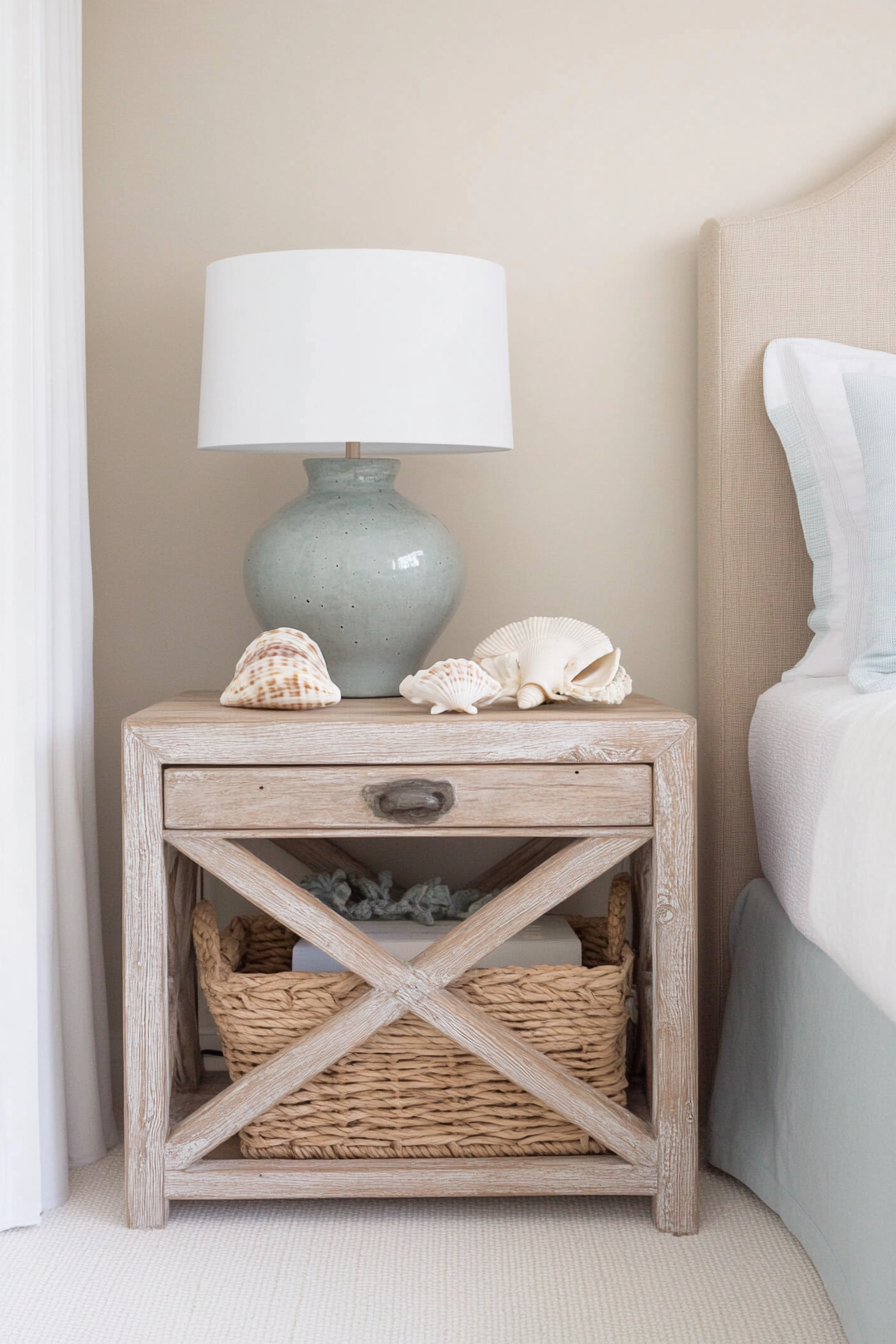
369	575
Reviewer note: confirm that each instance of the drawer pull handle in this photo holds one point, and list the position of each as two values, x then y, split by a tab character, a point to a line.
415	802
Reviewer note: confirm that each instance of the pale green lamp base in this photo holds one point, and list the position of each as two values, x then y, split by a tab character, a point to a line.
370	576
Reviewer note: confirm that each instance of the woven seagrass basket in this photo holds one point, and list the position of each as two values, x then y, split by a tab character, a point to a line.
409	1091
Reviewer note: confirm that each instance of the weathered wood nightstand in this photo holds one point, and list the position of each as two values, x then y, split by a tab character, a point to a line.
607	782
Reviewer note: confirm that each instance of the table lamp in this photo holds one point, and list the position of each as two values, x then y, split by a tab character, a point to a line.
361	353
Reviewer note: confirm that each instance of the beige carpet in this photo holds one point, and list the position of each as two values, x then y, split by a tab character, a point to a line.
553	1271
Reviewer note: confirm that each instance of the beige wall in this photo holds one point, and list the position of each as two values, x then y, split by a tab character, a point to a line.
579	142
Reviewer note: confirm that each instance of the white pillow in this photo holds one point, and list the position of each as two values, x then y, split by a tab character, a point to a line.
872	402
806	400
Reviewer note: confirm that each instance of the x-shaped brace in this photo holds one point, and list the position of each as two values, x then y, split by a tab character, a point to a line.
418	986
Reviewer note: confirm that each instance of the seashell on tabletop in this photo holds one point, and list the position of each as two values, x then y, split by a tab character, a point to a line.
281	669
553	658
283	643
455	684
599	691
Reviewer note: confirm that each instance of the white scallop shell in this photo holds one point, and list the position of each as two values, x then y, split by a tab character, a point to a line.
553	658
454	684
281	669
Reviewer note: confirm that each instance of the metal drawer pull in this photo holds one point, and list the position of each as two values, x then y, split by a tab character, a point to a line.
412	801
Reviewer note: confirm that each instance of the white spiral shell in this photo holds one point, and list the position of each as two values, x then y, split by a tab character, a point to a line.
553	658
600	691
454	684
281	669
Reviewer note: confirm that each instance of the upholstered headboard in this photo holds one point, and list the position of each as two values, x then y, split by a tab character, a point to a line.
825	267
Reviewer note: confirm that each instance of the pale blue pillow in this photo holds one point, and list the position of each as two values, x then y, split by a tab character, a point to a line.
806	402
825	655
872	404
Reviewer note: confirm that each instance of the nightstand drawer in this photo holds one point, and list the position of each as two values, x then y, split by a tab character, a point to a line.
390	797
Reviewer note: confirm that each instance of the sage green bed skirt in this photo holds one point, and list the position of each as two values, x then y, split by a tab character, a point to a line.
804	1109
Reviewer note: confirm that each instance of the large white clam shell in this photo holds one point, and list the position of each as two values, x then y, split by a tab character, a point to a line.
281	669
454	684
553	658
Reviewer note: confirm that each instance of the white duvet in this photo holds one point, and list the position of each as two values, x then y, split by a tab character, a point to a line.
823	772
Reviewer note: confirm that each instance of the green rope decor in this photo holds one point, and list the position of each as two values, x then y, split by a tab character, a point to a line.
360	898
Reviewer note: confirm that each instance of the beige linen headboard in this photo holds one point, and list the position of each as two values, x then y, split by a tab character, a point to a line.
825	267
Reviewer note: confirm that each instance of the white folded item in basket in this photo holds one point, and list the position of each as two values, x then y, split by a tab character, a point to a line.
548	942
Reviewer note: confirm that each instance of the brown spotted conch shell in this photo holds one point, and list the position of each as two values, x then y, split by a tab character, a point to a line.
554	658
281	669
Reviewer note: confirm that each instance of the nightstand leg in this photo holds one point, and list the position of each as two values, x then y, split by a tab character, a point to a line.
146	1046
183	1020
643	895
675	988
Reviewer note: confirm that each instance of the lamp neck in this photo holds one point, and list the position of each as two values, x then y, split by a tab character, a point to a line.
329	474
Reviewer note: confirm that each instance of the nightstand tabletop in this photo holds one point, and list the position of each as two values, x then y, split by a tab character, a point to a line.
195	727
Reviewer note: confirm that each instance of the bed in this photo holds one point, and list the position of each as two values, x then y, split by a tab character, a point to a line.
799	1038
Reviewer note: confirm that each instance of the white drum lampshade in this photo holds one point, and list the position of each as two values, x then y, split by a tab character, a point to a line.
362	353
402	352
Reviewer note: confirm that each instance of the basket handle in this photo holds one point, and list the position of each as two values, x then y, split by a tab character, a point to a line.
213	964
617	911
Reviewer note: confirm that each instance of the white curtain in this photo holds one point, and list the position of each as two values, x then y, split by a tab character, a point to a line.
55	1108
